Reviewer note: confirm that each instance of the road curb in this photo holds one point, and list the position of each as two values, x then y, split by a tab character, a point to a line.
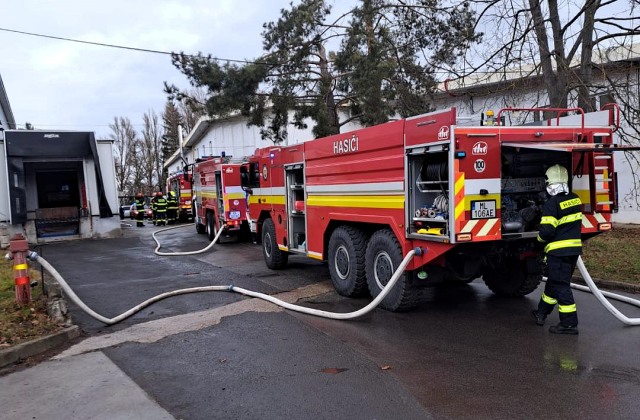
37	346
610	285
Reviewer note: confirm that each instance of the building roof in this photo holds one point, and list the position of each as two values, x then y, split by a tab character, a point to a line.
487	81
6	108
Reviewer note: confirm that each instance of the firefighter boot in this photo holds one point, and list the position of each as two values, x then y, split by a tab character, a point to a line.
563	329
539	316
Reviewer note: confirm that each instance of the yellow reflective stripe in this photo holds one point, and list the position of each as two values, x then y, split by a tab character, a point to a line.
549	300
20	267
570	203
575	217
567	308
266	199
549	220
540	239
568	243
356	201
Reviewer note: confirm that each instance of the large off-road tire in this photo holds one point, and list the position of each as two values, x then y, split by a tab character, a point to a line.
347	248
273	256
212	230
510	276
383	257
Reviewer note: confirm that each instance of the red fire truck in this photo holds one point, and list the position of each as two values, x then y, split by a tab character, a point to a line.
182	187
469	197
219	201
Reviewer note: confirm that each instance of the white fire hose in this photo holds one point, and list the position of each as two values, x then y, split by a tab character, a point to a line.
600	295
170	254
230	288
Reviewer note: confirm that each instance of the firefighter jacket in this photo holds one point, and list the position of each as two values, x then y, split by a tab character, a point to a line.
139	203
561	224
172	201
161	204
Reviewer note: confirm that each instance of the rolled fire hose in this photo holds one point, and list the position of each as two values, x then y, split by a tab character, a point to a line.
230	288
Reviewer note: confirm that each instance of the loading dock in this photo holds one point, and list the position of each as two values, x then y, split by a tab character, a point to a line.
57	185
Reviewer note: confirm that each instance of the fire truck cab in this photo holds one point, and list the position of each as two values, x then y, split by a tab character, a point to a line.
469	197
219	202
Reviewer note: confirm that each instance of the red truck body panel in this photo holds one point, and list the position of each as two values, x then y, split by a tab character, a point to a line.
435	184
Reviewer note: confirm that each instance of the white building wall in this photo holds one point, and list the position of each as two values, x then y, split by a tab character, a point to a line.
108	169
5	209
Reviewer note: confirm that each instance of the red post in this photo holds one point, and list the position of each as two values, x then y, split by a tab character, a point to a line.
19	246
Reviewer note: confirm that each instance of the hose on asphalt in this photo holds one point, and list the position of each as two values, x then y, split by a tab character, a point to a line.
600	296
169	254
230	288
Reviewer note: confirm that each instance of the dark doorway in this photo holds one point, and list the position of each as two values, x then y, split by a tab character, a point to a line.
59	199
58	189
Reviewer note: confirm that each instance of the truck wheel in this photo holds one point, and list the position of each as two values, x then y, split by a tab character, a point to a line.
200	228
383	257
510	276
274	258
347	248
211	226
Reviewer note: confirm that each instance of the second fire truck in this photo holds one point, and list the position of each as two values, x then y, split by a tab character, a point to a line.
469	197
219	202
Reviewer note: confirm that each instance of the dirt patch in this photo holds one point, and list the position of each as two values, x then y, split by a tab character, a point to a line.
614	255
19	324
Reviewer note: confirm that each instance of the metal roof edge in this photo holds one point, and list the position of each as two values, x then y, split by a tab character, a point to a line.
6	107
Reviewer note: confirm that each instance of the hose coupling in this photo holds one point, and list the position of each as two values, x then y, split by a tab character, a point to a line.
419	251
32	255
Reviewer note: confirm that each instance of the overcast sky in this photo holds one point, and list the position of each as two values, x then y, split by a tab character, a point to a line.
64	85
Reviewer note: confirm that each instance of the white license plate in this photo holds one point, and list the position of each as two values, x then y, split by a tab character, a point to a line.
233	215
485	209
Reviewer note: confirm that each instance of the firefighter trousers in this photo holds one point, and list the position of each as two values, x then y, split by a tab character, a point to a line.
558	289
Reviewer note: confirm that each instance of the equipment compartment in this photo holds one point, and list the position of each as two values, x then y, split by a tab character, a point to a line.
296	207
428	192
523	188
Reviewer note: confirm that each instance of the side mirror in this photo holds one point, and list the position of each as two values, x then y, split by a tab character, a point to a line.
244	179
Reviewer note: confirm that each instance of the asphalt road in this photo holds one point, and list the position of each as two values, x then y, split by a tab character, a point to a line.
463	353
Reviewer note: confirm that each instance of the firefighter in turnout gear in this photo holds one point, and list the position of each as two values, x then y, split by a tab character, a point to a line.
172	207
161	209
560	232
139	203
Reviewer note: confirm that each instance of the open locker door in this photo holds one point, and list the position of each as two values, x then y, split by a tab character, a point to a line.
593	176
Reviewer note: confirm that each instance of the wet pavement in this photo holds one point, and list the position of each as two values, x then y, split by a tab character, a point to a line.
463	353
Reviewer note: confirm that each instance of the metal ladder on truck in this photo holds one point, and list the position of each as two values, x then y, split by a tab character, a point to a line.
602	177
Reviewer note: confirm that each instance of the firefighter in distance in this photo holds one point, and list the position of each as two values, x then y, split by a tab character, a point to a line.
172	207
560	232
160	209
139	203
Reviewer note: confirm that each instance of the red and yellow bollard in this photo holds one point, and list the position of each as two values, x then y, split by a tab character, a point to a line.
19	247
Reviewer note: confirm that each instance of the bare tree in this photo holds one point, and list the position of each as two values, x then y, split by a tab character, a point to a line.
580	53
192	107
150	151
124	142
555	40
